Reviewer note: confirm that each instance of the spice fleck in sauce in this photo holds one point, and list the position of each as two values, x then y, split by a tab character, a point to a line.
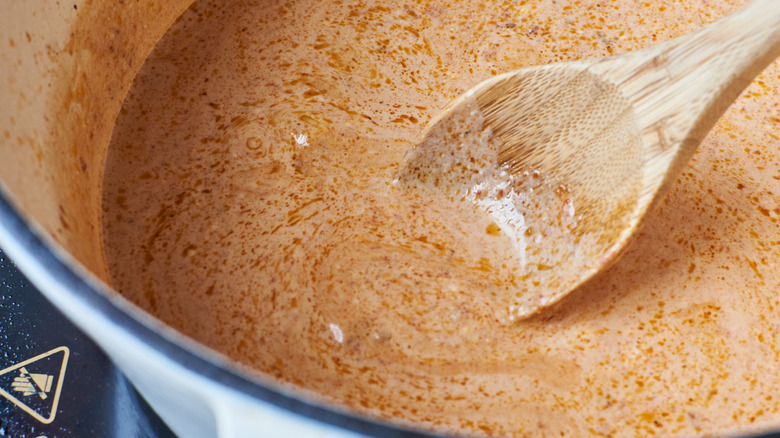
250	203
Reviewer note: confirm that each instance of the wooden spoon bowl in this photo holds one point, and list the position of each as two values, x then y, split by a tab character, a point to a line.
617	131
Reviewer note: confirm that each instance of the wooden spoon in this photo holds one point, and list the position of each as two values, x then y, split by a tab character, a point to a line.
617	131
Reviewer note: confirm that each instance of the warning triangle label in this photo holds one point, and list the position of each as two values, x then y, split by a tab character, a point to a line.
34	385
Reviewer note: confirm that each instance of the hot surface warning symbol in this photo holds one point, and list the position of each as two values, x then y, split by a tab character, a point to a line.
35	384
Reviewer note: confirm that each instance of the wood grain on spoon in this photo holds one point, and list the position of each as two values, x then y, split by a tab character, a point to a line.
614	132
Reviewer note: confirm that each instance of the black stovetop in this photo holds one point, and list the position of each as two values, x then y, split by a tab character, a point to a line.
54	381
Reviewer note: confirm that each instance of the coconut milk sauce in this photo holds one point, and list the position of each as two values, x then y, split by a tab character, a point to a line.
249	203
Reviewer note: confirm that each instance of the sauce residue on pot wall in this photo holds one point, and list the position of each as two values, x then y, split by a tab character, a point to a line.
249	203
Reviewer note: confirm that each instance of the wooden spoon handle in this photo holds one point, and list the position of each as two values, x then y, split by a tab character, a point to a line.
707	70
681	88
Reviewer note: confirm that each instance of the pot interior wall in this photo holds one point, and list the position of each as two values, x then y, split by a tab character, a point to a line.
66	67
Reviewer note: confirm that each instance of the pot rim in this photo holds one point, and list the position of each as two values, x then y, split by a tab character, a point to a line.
16	231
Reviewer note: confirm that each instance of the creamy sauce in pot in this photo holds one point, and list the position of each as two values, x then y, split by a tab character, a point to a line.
249	203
